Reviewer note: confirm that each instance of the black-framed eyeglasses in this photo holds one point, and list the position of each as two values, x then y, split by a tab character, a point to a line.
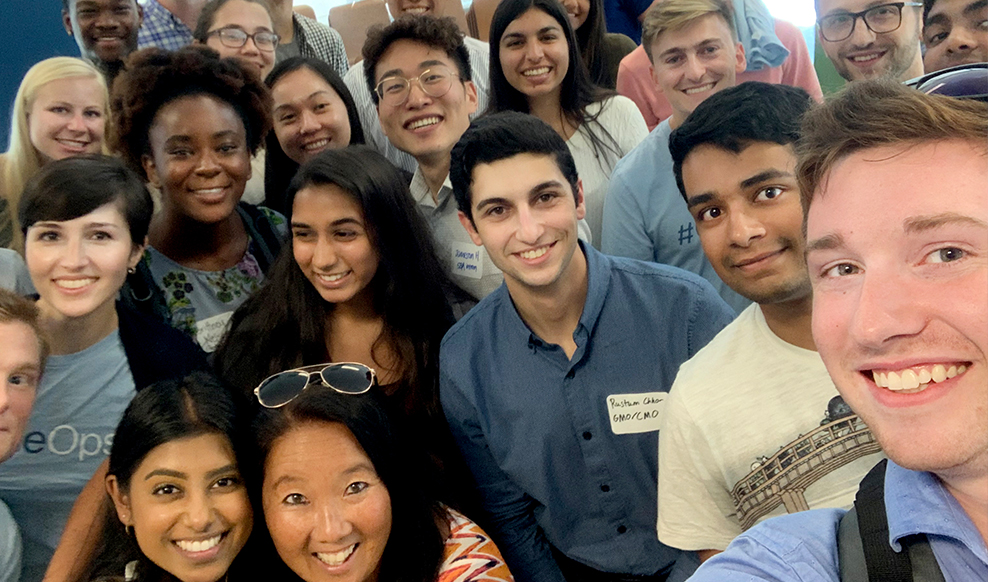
879	19
346	378
236	38
434	81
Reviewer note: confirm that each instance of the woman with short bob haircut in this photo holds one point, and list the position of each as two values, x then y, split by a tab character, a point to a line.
178	452
76	88
391	526
536	68
318	81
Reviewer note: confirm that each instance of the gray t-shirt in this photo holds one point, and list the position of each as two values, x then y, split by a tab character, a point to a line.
81	399
13	274
10	547
283	52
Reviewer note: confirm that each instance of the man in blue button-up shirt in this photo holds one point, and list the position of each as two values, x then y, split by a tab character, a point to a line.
554	383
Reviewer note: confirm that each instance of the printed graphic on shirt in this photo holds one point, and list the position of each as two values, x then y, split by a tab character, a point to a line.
782	478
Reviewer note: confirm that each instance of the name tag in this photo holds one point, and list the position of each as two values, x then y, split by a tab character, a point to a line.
211	330
635	413
468	260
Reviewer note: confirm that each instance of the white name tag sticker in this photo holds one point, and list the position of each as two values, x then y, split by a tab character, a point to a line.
468	260
211	330
635	413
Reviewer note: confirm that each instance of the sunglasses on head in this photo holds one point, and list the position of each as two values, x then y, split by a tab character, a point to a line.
346	378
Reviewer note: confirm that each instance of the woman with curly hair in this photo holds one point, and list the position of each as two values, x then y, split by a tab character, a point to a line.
190	121
60	111
536	68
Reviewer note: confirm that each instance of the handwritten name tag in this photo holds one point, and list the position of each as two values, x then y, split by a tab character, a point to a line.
211	330
468	260
635	413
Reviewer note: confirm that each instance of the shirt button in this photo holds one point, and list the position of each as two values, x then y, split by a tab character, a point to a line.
622	529
570	375
587	436
605	489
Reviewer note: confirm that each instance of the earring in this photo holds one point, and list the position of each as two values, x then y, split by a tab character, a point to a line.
129	530
131	270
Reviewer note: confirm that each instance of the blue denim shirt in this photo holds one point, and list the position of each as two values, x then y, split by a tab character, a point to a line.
535	427
802	547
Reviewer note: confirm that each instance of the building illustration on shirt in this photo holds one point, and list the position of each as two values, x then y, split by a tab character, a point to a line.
782	478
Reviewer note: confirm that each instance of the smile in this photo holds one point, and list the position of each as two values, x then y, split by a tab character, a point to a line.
315	145
912	380
332	278
336	558
535	253
758	259
536	72
866	58
700	89
74	283
199	546
416	10
74	144
423	122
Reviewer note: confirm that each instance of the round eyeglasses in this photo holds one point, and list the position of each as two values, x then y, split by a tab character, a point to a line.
879	19
434	82
236	38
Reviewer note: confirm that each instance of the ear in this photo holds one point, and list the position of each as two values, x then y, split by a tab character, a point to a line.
121	501
470	91
471	228
581	208
655	79
742	63
140	14
136	253
67	22
151	170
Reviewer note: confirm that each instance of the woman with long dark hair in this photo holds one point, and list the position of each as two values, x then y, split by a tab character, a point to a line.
342	491
602	51
536	68
313	111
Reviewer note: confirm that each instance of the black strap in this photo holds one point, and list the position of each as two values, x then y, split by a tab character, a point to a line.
267	242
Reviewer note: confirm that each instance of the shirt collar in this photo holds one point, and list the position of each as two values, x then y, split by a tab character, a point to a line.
917	502
423	195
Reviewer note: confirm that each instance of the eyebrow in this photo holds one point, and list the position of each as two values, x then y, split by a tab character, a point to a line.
337	222
765	176
291	103
933	222
699	199
825	243
679	49
548	184
974	7
185	138
180	475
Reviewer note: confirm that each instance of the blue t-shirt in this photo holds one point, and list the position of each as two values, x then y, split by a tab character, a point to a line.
10	547
802	547
622	16
645	216
564	450
79	403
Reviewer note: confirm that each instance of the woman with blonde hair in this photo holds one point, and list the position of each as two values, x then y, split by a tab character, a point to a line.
60	111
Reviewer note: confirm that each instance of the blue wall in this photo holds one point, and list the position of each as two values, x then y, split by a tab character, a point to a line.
33	31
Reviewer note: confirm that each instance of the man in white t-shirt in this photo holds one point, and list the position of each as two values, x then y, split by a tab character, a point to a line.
21	361
754	426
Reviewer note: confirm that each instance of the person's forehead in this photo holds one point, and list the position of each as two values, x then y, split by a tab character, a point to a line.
103	3
710	25
727	169
409	57
827	6
515	176
20	344
955	8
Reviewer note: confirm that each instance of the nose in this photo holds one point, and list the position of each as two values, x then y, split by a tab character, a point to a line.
74	256
198	511
332	523
77	122
324	255
744	229
310	122
530	227
961	41
208	166
861	34
887	308
250	47
534	52
105	19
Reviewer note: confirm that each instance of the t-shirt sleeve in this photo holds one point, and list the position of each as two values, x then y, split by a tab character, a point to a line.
10	546
695	508
510	510
623	232
471	555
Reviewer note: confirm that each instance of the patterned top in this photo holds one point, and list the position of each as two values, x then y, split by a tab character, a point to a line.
470	554
318	41
201	302
162	29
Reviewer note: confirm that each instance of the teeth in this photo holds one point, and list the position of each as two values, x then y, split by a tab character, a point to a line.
315	145
865	58
198	546
336	558
534	254
909	381
695	90
534	72
208	191
333	278
74	283
423	122
417	10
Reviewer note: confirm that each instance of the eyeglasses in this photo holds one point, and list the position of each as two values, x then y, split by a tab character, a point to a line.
236	38
283	387
879	19
434	81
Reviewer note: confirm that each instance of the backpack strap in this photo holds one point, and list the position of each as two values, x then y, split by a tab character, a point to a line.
863	548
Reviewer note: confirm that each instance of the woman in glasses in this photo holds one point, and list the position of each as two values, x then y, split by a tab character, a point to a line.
180	509
536	68
360	282
84	222
241	29
189	121
313	111
343	498
60	111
